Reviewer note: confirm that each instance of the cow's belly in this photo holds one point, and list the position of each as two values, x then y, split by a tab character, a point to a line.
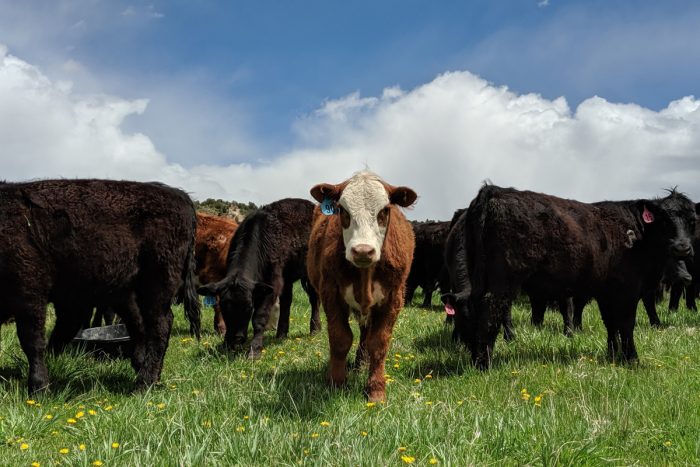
377	298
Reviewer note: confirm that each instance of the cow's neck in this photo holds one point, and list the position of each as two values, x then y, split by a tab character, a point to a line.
366	289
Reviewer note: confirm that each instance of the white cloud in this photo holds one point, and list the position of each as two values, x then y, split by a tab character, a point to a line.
443	139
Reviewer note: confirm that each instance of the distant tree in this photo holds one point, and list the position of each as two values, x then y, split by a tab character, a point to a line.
220	207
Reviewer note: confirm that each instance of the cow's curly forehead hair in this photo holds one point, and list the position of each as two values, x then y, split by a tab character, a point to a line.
364	191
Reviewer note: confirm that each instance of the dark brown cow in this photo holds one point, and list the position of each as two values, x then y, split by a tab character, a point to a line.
561	248
214	234
428	264
359	258
87	243
267	255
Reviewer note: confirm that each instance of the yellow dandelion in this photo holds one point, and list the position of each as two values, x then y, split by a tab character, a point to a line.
246	417
36	464
240	429
314	435
428	376
80	414
417	380
92	412
81	447
402	449
161	405
370	404
48	416
54	432
667	443
195	392
72	421
306	452
429	403
364	433
97	463
109	407
538	400
31	402
63	451
325	423
280	353
115	445
397	366
408	459
23	447
460	402
206	423
433	461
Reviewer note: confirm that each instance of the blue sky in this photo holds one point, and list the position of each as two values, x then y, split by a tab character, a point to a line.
241	82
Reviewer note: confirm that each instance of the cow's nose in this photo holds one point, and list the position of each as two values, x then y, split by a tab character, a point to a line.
682	249
363	253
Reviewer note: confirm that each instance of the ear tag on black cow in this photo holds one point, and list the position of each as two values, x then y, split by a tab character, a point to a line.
328	207
647	216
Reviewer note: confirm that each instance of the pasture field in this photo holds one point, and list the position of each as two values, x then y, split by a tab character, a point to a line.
548	400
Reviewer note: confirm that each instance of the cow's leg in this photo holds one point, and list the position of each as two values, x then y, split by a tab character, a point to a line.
410	291
607	313
285	309
690	296
31	320
158	322
361	354
428	290
579	305
538	306
376	347
131	316
339	339
69	320
675	296
491	312
219	323
626	323
566	308
261	315
315	324
508	328
648	299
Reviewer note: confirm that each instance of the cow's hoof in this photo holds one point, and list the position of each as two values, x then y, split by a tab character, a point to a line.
376	396
254	354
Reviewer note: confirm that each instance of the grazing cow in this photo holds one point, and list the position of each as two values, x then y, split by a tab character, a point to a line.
563	248
267	255
360	253
428	262
86	243
214	234
693	265
455	257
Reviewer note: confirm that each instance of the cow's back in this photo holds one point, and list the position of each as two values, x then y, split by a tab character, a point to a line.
214	234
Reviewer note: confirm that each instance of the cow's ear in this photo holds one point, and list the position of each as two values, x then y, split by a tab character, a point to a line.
326	191
213	288
402	196
647	211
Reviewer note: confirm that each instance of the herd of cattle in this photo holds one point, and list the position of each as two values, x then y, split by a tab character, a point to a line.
135	248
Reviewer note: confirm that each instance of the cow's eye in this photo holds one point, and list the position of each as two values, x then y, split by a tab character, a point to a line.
344	217
383	217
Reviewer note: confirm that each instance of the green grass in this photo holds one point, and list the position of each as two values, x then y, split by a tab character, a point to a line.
212	409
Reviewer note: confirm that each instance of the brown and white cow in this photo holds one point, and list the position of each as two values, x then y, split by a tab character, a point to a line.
360	254
214	234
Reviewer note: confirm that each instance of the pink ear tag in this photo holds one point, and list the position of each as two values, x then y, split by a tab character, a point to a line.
449	309
647	216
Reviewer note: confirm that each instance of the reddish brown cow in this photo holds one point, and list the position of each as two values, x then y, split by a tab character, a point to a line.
360	254
214	235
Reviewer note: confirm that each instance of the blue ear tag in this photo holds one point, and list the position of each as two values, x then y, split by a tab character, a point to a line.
328	207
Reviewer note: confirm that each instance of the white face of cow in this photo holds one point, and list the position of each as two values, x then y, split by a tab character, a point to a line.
364	215
364	204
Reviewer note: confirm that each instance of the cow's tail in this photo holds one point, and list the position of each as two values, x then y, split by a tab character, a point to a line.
475	229
190	299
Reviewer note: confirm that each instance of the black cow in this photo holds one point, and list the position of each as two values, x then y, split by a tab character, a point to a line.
693	287
455	257
267	255
561	248
428	263
87	243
